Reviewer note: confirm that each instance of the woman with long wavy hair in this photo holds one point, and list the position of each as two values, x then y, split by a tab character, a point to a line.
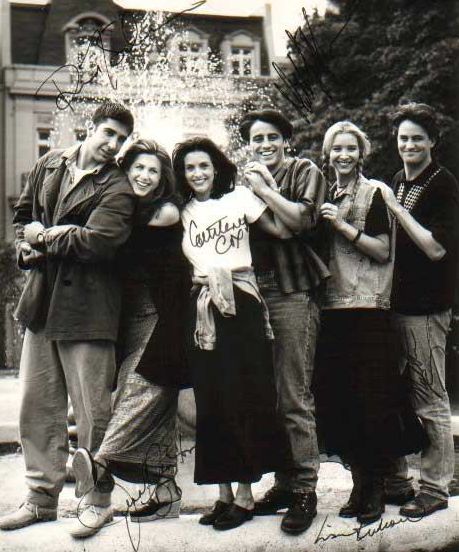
140	442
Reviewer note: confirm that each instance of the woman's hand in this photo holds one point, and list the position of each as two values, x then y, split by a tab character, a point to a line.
263	171
256	183
329	211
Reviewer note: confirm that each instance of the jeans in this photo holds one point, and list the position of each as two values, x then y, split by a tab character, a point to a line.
423	340
48	370
294	319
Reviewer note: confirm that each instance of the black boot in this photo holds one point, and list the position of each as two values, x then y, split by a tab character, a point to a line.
372	499
352	507
301	513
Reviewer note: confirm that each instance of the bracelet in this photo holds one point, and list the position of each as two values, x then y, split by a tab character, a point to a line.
357	237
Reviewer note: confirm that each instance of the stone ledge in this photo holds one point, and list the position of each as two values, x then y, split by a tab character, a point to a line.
262	534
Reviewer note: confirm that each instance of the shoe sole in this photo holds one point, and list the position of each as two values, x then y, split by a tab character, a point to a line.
90	531
21	525
82	466
423	514
290	531
166	512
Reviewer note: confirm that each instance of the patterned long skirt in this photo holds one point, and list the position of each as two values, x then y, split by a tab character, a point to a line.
140	441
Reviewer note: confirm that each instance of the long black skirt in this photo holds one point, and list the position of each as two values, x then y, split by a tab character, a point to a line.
238	437
362	408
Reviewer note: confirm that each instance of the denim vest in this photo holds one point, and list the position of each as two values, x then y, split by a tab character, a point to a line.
357	281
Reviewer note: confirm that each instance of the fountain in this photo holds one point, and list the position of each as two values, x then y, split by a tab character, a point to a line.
174	89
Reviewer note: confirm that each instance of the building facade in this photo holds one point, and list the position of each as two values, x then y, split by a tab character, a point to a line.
211	63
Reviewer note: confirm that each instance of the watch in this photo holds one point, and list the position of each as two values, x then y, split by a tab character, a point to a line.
41	238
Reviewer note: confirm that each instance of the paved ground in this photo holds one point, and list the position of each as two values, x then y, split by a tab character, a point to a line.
329	533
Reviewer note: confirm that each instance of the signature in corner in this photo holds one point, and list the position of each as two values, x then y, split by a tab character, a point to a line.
167	449
82	76
362	531
306	74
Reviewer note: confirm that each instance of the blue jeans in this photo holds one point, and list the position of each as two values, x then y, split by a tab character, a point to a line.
295	320
423	340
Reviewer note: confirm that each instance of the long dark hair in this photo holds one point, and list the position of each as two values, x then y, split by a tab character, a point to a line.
225	170
165	192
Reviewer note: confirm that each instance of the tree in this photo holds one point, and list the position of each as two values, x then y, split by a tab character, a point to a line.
361	60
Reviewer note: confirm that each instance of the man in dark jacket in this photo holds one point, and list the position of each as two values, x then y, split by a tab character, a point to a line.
73	214
426	207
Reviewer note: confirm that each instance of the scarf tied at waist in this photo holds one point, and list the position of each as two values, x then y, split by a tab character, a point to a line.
217	288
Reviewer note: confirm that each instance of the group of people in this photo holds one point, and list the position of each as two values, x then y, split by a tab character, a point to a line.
307	308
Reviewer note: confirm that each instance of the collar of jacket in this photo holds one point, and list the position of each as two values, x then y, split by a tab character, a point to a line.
62	155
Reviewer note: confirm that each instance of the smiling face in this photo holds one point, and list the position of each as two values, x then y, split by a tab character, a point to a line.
267	144
106	141
144	174
199	174
414	144
344	154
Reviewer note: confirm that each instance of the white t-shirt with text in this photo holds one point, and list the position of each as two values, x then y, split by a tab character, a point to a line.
216	232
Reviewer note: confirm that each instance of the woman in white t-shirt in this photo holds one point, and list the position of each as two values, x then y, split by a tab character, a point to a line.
237	434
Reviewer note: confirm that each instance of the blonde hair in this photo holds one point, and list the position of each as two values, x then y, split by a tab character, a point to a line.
342	127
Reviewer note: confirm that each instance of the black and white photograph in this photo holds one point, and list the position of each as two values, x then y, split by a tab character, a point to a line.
229	266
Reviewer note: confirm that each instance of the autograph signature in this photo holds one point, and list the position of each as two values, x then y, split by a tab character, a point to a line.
169	451
224	234
361	532
307	73
81	77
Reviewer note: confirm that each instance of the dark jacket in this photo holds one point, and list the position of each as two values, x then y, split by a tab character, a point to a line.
74	294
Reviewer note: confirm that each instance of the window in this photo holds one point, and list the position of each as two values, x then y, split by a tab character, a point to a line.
190	53
241	61
43	136
87	43
241	54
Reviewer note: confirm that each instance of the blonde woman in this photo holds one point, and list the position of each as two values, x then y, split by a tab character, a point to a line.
357	387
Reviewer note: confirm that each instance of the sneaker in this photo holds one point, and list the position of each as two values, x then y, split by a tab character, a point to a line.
27	515
89	474
91	520
275	499
300	514
423	505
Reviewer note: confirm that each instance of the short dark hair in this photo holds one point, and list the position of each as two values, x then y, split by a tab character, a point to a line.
422	114
166	188
114	110
225	169
271	116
